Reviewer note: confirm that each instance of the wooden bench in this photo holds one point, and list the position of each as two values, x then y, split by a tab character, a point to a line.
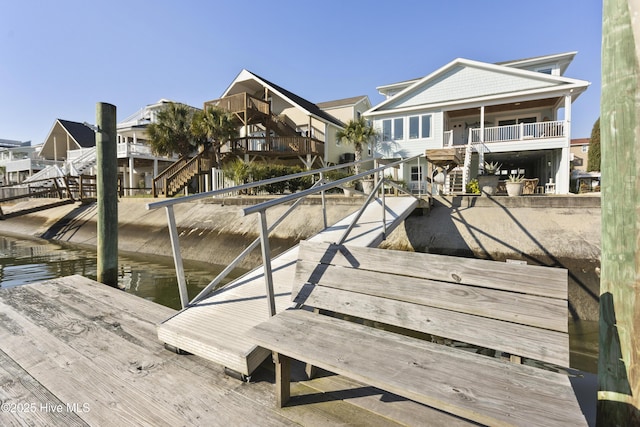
405	305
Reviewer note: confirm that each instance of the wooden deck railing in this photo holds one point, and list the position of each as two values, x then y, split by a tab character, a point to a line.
519	132
278	145
239	103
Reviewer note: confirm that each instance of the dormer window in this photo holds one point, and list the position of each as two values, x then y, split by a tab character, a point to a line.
547	70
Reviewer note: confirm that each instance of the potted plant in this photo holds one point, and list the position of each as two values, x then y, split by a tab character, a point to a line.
488	180
349	188
368	184
514	185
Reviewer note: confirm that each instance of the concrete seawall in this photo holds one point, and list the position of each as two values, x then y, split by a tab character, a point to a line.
541	230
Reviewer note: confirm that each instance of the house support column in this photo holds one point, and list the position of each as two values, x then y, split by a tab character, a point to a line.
479	147
482	124
131	173
564	170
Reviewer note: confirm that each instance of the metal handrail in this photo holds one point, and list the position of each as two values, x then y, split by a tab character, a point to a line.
262	208
173	230
214	193
320	187
338	183
229	268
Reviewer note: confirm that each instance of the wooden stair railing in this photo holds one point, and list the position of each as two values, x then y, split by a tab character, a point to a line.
159	182
177	176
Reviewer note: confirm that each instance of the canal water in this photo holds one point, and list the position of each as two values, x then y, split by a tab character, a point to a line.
24	261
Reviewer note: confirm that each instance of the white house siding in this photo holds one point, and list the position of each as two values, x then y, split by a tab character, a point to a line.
467	82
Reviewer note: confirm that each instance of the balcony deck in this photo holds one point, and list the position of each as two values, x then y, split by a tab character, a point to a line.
519	132
277	146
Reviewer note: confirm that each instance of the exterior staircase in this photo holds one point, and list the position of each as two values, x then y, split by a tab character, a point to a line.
74	166
176	177
87	159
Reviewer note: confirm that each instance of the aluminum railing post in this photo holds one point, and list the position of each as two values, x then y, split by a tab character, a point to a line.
177	257
324	203
384	211
266	261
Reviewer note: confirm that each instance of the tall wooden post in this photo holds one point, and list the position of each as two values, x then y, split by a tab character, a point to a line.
619	360
107	186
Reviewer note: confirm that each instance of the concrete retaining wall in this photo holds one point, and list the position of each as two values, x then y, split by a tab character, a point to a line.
541	230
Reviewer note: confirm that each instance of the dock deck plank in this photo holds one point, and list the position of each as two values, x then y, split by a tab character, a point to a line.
215	328
72	341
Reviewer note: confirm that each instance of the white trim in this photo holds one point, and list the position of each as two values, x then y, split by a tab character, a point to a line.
567	83
522	96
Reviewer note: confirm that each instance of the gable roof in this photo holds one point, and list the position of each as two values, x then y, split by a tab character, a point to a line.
562	59
294	99
343	102
81	134
465	81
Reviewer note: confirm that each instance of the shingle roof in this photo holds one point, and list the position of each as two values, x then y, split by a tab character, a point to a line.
307	105
341	102
84	136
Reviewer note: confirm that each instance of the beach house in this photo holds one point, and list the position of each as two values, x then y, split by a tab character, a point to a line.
516	113
276	125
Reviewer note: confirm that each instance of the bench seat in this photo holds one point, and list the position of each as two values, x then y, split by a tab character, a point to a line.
480	388
378	329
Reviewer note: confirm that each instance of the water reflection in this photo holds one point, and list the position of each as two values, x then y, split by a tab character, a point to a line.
24	261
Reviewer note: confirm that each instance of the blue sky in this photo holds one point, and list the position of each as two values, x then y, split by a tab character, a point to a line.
58	59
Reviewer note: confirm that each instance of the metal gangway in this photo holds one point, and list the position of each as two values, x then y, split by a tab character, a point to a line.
213	324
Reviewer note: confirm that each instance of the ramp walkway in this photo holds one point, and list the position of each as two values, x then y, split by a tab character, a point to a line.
215	327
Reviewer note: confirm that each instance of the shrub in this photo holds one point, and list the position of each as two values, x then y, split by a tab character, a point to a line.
301	183
473	187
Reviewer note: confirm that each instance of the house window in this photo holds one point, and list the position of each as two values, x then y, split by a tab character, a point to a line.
398	129
546	70
585	148
414	127
426	126
420	127
416	173
386	130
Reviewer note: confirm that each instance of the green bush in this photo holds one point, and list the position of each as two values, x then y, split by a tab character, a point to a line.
301	183
473	187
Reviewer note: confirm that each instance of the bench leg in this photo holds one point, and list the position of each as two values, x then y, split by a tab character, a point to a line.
283	378
515	359
310	371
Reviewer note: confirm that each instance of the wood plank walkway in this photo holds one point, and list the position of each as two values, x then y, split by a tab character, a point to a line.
74	352
215	327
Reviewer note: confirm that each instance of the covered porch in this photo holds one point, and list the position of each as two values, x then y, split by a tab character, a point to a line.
529	137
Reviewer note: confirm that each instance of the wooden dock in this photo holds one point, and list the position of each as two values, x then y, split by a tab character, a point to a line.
215	327
74	352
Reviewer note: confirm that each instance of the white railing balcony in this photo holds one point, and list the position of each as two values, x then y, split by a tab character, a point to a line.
73	155
127	148
519	132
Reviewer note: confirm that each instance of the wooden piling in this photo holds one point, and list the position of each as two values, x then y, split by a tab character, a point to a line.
619	359
107	189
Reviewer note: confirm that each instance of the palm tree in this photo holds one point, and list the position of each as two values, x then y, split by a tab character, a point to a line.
359	133
171	133
212	128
